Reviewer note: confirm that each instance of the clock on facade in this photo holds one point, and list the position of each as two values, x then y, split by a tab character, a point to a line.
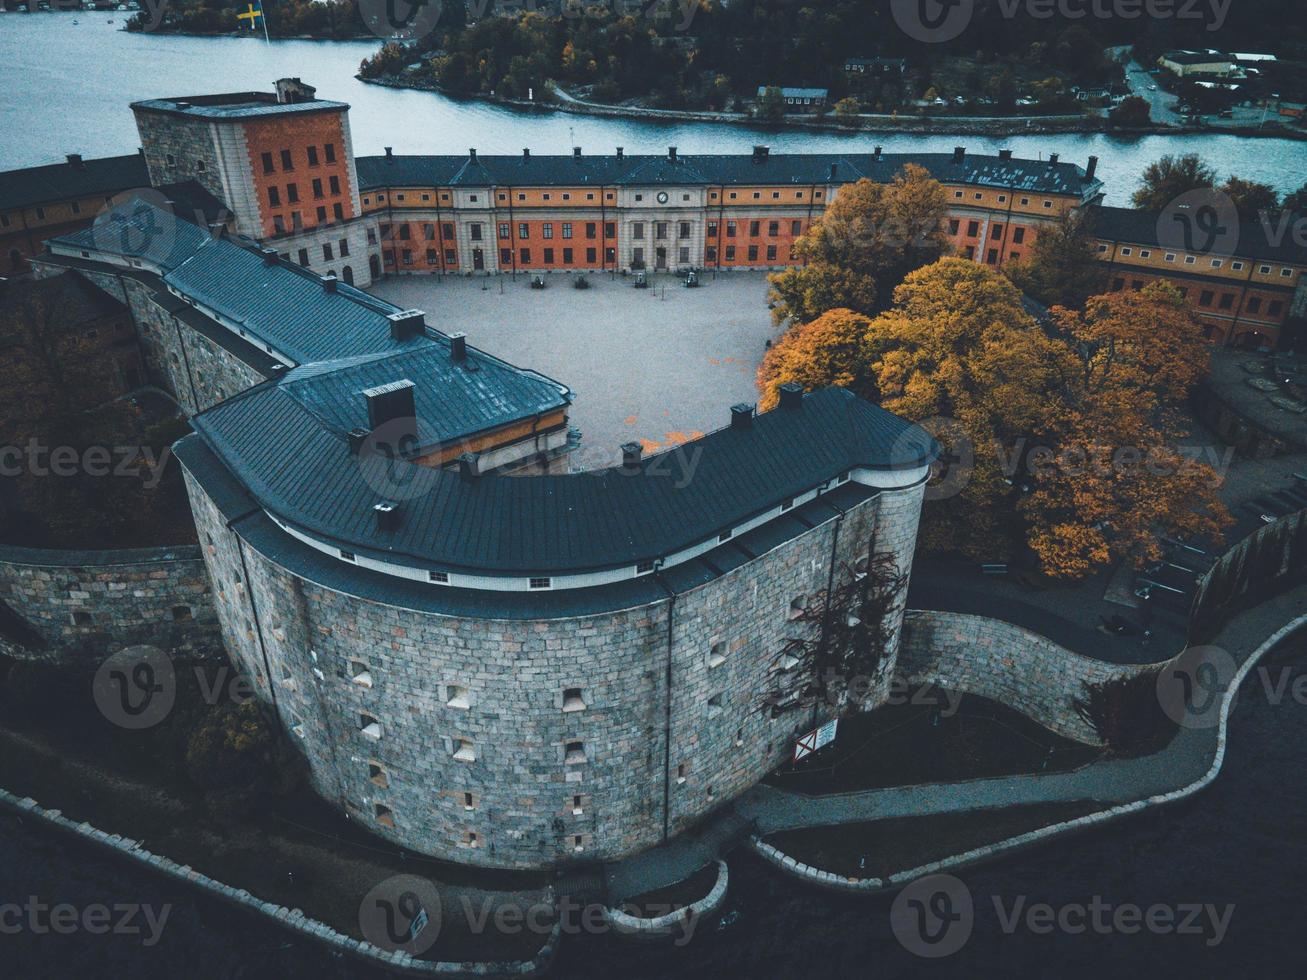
662	197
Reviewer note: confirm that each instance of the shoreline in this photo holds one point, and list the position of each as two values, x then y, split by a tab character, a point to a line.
992	126
940	126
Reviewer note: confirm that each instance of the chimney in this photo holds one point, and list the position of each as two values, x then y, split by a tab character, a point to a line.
620	153
576	153
269	255
526	153
671	154
1091	169
356	439
741	416
791	395
959	154
472	153
834	168
406	324
389	403
76	160
760	154
458	347
631	452
1005	154
387	515
469	466
390	153
876	155
329	282
1053	158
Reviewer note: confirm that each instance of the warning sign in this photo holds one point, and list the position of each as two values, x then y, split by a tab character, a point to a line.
816	739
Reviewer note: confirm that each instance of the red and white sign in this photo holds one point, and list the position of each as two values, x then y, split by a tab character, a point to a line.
816	739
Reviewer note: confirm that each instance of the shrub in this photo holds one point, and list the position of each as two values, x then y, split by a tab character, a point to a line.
1126	713
237	754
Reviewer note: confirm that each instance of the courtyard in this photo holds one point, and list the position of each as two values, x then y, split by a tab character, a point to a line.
658	366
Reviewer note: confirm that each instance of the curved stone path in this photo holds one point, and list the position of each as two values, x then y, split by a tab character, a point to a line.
1191	760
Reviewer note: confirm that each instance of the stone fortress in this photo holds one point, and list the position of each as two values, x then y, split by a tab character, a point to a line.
509	672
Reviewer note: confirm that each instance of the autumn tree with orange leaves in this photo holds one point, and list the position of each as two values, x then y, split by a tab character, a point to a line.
1061	438
870	237
1114	479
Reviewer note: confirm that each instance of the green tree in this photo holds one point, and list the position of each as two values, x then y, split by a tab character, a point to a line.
1170	177
847	110
1250	198
770	105
1134	111
1062	267
1296	201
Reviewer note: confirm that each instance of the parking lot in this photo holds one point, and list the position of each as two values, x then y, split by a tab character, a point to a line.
657	365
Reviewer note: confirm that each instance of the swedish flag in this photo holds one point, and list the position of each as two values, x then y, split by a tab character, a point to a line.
253	13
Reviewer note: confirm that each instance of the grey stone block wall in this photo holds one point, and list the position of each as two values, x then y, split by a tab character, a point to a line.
93	602
305	645
1008	664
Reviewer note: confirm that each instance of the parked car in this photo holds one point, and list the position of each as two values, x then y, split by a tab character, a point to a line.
641	280
692	279
537	281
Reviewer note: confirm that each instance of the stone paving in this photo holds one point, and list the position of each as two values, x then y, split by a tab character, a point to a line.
658	365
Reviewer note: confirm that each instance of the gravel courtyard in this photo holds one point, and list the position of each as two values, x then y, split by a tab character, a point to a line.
658	365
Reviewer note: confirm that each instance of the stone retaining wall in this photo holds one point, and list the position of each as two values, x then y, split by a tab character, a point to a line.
85	602
293	919
673	923
979	854
1006	663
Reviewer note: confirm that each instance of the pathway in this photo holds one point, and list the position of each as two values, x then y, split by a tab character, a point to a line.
1190	756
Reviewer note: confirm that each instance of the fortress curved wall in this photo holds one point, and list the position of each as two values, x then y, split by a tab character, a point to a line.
652	765
93	601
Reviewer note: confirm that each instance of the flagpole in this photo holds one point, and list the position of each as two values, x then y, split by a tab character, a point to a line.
264	17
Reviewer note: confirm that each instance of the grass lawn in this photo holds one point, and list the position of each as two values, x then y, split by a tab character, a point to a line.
932	736
879	848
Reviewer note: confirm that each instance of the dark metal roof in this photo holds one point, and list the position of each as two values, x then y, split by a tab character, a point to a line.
71	180
1270	238
297	464
248	520
136	229
236	105
1036	176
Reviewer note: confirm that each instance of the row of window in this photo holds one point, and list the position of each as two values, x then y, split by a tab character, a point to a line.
1002	199
1236	265
1253	305
288	158
293	191
297	218
995	231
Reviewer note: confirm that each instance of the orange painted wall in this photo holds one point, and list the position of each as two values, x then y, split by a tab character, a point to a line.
296	133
